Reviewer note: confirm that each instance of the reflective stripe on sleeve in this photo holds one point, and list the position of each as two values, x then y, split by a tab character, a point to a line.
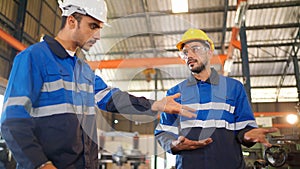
217	124
101	94
18	101
61	109
167	128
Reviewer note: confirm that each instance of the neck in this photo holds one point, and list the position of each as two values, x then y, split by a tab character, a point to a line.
203	75
64	39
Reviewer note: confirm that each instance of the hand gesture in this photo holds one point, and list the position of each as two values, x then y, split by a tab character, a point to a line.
258	135
169	105
183	143
47	166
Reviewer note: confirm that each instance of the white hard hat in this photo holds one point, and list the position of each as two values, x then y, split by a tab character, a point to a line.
94	8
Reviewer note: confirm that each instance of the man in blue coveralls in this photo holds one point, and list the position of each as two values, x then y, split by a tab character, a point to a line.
224	119
48	117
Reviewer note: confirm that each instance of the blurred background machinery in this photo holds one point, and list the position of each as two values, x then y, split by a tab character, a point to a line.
120	157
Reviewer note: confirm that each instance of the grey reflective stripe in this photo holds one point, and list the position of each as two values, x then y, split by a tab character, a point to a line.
101	94
217	124
61	84
18	101
61	109
167	128
86	88
213	106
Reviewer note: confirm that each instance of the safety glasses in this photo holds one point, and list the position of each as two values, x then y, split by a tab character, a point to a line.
198	50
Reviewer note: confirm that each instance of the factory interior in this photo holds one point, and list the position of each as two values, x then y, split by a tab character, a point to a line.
256	42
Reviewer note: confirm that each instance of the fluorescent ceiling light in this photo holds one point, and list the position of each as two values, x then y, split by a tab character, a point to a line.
179	6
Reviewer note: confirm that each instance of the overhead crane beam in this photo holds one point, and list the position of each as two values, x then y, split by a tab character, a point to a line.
146	62
3	82
11	40
120	63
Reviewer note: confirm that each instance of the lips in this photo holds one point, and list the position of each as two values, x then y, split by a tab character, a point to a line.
191	61
91	42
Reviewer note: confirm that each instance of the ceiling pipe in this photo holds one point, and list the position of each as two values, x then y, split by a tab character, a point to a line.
3	82
272	114
146	62
285	125
119	63
11	40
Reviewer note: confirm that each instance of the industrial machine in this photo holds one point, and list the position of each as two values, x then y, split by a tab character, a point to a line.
120	157
285	153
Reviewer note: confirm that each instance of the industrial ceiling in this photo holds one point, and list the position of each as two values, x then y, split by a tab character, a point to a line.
147	31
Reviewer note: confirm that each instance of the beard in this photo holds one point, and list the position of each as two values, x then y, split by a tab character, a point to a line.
87	45
198	69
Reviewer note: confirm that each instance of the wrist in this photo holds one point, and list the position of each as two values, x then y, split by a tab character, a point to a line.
45	164
155	106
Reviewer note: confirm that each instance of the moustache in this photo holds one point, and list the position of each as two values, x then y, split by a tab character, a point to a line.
191	60
91	41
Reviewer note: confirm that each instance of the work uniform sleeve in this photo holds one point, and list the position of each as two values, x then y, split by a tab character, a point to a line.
116	101
240	137
168	128
17	126
244	116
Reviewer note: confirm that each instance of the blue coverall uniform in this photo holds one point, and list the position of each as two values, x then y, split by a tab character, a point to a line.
223	113
48	112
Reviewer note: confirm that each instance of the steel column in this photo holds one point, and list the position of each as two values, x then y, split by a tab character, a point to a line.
224	26
245	60
295	51
19	26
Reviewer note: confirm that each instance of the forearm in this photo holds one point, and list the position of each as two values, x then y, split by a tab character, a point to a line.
165	139
123	102
19	137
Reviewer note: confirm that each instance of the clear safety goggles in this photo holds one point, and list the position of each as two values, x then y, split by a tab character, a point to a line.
198	50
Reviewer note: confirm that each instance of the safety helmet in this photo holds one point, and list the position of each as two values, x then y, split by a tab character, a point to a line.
194	34
94	8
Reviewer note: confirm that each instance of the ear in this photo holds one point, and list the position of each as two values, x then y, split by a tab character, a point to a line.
210	53
71	21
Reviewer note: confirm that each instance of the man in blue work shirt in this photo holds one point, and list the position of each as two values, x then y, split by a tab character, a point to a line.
224	119
48	114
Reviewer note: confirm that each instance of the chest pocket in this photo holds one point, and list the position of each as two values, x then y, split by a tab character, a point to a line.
56	71
56	78
224	102
223	96
189	94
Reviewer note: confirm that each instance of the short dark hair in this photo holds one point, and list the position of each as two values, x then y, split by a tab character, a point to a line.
77	16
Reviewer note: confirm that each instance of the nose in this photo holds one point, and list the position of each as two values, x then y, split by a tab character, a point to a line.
190	54
97	35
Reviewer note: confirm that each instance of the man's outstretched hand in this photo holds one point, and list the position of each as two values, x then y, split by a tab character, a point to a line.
169	105
258	135
183	143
